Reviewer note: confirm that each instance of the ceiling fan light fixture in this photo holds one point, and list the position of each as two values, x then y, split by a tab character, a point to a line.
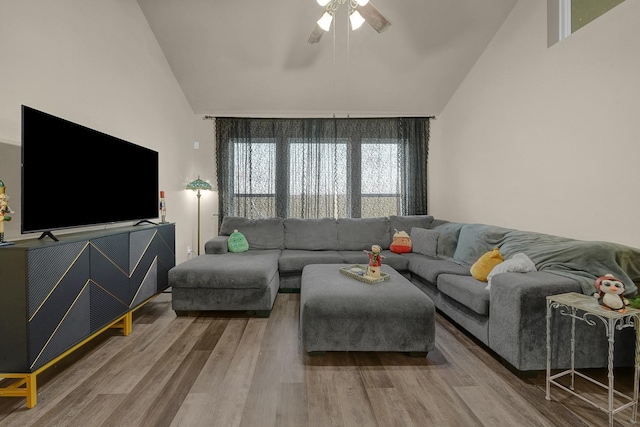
356	20
325	21
323	3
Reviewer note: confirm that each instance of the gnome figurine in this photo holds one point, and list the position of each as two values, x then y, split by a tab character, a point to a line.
4	209
375	262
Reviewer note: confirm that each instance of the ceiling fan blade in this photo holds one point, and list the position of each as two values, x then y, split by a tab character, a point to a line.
316	35
373	17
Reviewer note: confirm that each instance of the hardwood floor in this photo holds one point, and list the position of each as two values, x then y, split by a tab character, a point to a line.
230	369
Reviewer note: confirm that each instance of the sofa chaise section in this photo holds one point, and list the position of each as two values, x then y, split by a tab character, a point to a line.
230	281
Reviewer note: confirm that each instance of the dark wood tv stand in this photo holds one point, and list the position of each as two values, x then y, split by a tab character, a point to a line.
57	295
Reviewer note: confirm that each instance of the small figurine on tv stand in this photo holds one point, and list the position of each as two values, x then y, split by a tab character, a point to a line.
375	262
4	210
163	209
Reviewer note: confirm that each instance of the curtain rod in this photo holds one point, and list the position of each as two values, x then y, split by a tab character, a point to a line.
428	117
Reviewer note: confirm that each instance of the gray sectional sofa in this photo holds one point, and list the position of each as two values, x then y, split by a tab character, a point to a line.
509	317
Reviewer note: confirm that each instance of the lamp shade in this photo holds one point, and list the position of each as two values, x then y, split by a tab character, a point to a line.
198	184
356	20
325	21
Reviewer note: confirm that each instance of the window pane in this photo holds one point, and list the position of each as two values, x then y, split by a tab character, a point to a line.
317	179
254	179
380	168
255	168
585	11
254	206
380	179
374	207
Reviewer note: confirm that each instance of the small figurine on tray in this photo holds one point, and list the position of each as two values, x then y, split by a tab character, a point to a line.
375	261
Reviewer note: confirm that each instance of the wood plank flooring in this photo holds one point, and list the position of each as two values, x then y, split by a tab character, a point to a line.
230	369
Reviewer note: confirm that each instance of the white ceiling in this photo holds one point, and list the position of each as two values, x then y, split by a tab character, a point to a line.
251	57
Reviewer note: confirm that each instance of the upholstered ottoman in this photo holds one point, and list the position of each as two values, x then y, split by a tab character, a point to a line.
339	313
245	281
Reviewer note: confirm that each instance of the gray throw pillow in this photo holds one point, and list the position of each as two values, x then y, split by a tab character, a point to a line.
424	241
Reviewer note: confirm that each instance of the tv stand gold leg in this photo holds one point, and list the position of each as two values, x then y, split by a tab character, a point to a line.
31	389
125	323
24	386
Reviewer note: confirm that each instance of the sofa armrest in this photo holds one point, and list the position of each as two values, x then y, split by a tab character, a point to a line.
517	315
217	245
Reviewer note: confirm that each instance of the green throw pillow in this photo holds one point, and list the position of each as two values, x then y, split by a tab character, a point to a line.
237	242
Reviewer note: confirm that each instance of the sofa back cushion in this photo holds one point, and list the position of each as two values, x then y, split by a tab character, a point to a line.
311	234
475	240
265	233
361	233
447	237
407	222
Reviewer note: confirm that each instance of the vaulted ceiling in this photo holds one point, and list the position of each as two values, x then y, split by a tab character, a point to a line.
249	57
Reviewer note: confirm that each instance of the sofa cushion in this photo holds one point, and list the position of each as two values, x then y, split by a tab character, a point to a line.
294	260
448	238
407	222
265	233
425	242
217	245
311	234
355	257
252	269
429	269
466	290
361	233
477	239
396	261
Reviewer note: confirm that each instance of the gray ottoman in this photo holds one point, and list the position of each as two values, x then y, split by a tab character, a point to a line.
338	313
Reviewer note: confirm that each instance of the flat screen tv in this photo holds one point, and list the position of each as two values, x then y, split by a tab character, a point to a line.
74	176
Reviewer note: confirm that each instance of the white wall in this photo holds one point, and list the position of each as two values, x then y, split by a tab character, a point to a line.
98	64
204	162
546	139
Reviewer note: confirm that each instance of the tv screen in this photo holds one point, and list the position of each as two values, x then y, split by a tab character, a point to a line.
74	176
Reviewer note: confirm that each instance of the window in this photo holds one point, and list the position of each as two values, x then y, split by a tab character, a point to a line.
317	179
254	191
565	17
381	180
316	168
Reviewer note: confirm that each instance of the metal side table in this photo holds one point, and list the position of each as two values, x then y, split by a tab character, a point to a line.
586	308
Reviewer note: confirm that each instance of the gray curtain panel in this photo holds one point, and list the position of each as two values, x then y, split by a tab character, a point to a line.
322	168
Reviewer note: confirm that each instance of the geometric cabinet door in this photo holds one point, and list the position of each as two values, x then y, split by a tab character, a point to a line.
151	256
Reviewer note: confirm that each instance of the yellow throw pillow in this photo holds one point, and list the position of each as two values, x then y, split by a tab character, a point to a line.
483	266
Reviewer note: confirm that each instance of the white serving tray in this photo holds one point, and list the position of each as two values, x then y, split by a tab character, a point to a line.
347	271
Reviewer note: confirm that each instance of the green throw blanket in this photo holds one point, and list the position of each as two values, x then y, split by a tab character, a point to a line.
581	260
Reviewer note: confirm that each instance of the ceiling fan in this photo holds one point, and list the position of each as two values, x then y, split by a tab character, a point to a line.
360	11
